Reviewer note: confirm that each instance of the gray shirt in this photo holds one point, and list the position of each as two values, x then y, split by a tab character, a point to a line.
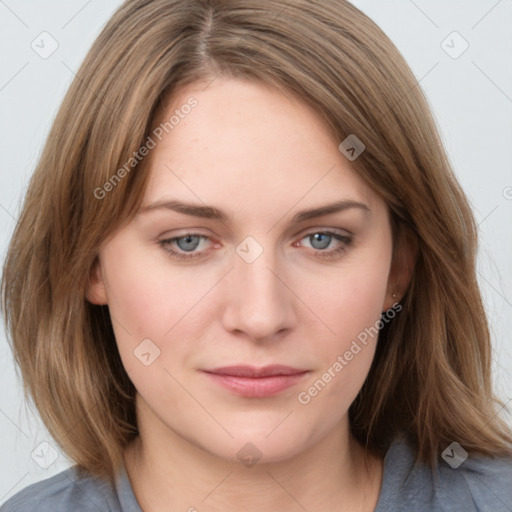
478	484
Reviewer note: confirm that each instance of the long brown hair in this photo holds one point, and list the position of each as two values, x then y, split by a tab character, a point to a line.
431	372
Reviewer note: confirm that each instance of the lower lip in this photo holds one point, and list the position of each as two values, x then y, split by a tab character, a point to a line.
260	387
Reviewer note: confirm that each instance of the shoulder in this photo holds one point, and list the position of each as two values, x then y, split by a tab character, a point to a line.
63	492
472	484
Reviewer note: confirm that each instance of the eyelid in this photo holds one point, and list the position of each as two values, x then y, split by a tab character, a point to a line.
323	229
182	232
173	238
336	232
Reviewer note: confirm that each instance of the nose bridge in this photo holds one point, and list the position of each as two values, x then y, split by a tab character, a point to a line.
258	304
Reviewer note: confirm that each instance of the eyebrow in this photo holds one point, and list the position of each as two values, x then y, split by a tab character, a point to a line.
207	212
336	207
210	212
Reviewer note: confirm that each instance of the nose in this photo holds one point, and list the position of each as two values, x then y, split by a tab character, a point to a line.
258	303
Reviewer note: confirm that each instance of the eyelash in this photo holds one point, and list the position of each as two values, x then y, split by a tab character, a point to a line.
345	240
319	253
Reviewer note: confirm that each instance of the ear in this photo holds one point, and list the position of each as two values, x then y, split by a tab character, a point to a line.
404	258
96	292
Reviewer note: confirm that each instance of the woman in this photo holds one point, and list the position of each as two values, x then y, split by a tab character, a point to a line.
244	275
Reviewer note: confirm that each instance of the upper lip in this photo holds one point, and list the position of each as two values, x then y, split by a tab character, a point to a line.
255	372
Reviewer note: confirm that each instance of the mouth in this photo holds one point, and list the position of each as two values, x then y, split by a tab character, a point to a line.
253	382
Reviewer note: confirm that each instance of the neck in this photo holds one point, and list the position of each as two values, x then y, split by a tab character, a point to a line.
168	472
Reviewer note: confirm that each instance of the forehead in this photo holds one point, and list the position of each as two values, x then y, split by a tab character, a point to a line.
248	145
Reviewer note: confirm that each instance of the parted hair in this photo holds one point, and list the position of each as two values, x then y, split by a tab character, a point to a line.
431	374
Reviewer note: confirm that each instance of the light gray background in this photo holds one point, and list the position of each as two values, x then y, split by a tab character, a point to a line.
471	97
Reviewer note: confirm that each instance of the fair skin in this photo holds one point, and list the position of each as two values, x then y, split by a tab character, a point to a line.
260	158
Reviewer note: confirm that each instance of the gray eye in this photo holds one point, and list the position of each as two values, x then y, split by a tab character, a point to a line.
320	240
188	243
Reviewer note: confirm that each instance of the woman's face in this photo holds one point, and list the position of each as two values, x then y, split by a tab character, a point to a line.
232	262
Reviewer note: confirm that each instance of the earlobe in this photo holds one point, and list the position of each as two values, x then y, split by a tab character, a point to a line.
402	267
95	291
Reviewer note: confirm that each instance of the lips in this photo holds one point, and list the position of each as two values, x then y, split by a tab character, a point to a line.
253	382
254	372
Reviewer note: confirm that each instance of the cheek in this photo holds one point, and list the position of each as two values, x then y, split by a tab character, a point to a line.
146	295
159	312
344	358
349	303
349	298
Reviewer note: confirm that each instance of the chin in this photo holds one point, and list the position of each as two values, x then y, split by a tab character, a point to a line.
256	446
